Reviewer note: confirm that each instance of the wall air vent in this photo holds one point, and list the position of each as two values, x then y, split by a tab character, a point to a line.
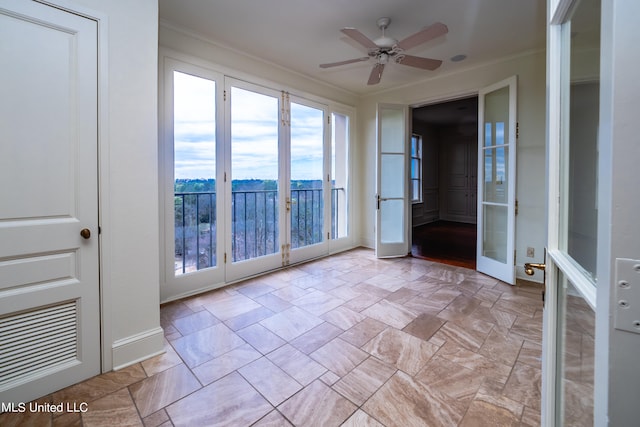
37	340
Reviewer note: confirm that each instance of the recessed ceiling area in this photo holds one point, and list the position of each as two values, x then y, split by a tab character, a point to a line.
301	35
451	113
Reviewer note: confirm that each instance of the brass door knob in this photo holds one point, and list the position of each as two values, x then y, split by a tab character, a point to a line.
529	266
85	233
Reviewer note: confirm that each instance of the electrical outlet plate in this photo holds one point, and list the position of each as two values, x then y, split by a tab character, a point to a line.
531	252
627	308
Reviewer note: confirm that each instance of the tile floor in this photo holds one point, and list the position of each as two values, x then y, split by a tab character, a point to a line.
347	340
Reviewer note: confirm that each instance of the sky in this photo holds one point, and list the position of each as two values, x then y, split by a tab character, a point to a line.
254	133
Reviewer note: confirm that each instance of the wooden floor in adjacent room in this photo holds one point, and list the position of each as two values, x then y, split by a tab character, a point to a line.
448	242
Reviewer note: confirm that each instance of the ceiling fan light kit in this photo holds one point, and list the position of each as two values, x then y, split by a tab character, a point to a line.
386	47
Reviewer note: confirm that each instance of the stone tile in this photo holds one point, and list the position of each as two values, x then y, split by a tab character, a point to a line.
527	328
531	417
161	362
206	344
501	348
114	409
424	326
531	354
273	302
461	335
272	382
316	337
361	302
168	386
317	405
402	350
291	323
363	332
260	338
255	288
194	322
524	385
99	386
157	419
273	419
361	419
289	293
495	316
223	365
478	363
518	305
360	384
339	356
390	313
297	364
402	401
317	302
343	317
490	407
450	378
229	306
236	403
249	318
329	378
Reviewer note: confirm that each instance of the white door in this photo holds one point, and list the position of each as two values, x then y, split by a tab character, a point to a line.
574	209
49	295
497	124
255	192
308	179
392	193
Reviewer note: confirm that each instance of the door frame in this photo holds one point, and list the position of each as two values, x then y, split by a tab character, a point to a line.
105	244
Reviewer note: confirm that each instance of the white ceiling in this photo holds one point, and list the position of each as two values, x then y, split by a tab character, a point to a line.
301	34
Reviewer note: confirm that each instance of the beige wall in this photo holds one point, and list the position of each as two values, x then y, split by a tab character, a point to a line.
530	190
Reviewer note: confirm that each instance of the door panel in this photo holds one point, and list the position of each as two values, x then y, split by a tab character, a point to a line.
569	325
49	297
254	180
308	180
496	180
392	190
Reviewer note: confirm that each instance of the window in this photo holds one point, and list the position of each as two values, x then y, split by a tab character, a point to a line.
416	168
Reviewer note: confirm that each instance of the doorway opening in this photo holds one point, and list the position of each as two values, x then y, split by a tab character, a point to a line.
444	209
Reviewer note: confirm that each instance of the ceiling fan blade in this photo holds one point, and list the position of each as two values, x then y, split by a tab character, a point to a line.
423	36
348	61
359	37
418	62
376	74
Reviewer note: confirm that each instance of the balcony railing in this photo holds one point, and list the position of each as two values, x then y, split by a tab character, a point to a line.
254	224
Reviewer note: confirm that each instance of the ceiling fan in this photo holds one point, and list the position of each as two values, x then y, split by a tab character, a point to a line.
386	48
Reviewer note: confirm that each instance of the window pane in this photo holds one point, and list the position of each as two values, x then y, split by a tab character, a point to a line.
339	161
307	149
495	174
254	171
194	145
495	236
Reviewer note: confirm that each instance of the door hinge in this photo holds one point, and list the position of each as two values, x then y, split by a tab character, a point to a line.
224	95
516	206
328	120
517	130
99	230
225	257
328	236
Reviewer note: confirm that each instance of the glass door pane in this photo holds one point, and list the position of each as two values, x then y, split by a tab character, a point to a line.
496	189
339	173
392	199
194	152
575	347
254	175
306	177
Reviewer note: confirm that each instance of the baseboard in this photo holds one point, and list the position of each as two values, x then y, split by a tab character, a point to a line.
136	348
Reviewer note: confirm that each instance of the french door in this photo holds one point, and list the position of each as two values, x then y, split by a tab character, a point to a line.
569	327
497	124
255	178
392	193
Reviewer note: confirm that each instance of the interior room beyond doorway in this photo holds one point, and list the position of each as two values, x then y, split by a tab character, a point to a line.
444	211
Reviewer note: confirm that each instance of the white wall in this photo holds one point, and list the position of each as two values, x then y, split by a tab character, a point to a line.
128	177
530	68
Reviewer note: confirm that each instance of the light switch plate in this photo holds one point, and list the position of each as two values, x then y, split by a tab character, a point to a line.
627	303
